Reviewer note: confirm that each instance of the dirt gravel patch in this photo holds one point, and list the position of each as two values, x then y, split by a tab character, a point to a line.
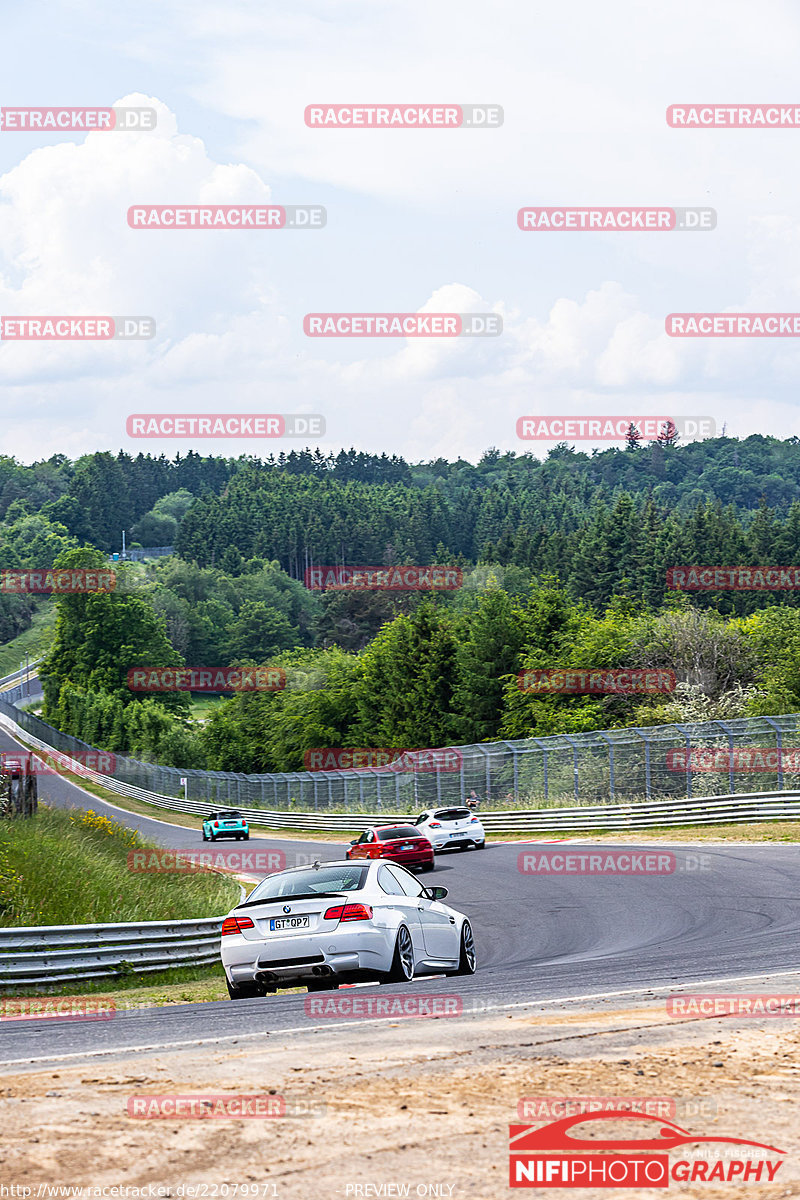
422	1104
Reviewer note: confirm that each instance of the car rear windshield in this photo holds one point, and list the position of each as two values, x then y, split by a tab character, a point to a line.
452	814
397	831
231	816
309	881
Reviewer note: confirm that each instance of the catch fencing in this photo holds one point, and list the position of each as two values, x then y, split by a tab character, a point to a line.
615	766
141	554
748	807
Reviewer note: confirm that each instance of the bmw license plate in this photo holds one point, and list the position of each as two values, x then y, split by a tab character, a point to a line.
407	846
288	922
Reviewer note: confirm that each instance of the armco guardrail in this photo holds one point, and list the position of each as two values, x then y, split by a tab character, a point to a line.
17	679
57	954
733	808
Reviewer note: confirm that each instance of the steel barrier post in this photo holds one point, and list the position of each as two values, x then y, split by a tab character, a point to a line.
610	745
646	740
688	738
574	745
779	747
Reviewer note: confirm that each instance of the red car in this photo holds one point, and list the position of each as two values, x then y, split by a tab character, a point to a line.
401	843
11	766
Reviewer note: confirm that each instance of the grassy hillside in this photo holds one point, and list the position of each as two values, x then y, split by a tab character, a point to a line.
71	868
31	642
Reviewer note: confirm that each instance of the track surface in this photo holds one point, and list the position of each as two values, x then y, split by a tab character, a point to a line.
726	912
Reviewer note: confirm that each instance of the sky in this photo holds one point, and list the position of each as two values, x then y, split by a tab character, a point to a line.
418	220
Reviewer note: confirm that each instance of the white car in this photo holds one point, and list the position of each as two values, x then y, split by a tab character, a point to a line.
338	922
454	826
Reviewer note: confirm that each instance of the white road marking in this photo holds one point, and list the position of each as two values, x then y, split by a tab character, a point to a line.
238	1037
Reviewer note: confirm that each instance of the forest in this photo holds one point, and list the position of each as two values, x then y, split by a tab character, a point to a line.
564	564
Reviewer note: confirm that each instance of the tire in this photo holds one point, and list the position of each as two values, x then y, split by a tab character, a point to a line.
242	991
467	961
429	866
480	846
402	968
247	837
205	835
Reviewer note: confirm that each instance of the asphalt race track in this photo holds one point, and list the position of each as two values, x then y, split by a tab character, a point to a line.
724	913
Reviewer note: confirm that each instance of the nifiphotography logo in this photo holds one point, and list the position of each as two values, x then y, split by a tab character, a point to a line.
557	1156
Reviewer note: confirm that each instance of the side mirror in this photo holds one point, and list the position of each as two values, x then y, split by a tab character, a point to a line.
436	893
354	842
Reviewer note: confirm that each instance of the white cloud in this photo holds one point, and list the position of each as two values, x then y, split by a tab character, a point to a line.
416	221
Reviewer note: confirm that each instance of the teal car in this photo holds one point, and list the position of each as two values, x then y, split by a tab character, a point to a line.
229	824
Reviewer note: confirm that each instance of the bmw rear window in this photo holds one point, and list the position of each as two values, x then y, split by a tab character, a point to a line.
397	831
343	877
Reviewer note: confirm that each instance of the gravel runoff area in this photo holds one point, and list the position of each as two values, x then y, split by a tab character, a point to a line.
402	1105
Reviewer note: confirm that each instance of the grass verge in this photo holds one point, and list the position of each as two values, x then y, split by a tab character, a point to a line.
70	867
201	707
29	642
184	985
757	831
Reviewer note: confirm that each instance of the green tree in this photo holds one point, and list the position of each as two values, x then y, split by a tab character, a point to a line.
409	675
488	653
99	636
258	633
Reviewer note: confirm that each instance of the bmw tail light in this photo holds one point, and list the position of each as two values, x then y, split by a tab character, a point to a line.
236	925
348	912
